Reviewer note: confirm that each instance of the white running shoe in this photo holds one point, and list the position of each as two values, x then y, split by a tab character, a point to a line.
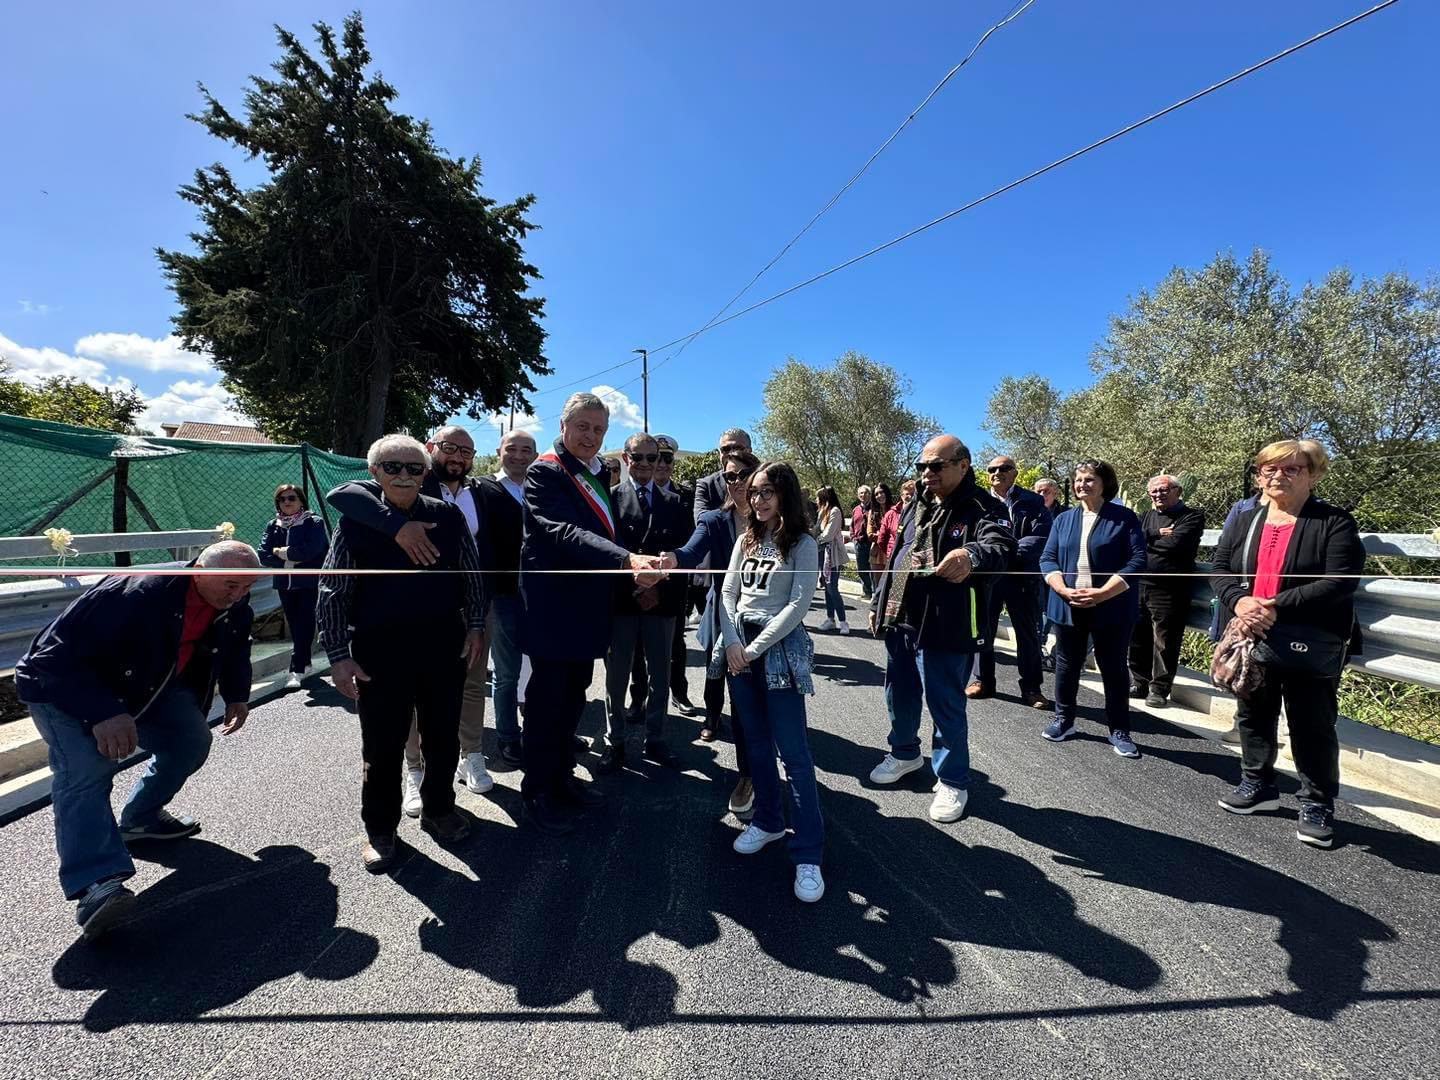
828	624
893	768
844	629
413	780
754	838
949	803
472	773
292	681
809	885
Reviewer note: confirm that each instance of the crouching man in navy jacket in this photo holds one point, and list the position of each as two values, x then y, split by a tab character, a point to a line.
132	663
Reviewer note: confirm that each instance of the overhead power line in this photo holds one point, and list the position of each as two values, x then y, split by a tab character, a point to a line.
1014	13
1057	163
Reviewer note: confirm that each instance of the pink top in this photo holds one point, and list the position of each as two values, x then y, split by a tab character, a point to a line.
1274	542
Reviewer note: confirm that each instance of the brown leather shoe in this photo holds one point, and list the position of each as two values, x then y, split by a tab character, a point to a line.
1035	699
378	853
449	828
977	690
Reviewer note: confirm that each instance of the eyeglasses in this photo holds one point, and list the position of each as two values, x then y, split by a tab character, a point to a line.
1291	471
764	494
455	448
993	469
395	468
288	498
738	478
666	457
934	466
648	459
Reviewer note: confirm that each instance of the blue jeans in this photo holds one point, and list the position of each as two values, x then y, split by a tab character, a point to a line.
834	605
776	718
505	652
172	729
912	675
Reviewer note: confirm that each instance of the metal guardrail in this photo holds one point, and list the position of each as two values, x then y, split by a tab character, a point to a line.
27	606
1399	619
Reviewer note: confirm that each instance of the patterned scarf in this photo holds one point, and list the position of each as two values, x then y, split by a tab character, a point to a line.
921	559
289	521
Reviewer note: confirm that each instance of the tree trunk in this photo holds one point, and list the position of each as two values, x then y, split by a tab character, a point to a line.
377	393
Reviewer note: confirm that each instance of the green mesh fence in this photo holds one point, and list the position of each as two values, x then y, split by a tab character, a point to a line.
60	476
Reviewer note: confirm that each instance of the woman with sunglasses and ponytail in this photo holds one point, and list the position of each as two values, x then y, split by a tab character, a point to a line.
295	540
768	654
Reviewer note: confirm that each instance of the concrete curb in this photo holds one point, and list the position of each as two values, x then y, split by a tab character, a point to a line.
24	757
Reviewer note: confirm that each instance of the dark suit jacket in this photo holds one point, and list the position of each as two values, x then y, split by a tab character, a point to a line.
567	616
710	493
1030	525
666	527
502	520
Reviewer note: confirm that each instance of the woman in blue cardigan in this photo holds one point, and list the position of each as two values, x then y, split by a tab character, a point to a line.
1087	558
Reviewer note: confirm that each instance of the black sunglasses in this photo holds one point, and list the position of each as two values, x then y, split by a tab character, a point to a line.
649	459
395	468
993	469
934	466
289	497
738	478
666	457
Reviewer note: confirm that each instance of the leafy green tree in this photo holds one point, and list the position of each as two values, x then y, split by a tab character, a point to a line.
367	285
1198	374
844	425
692	467
64	400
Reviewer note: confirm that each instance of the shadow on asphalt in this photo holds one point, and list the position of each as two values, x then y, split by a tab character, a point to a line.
212	932
557	919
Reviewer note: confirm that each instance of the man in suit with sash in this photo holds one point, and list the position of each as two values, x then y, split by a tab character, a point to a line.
567	620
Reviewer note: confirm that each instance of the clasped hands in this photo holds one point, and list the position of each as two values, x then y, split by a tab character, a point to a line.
1256	616
650	570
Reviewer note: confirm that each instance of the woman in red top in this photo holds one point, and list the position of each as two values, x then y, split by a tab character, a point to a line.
890	526
1271	570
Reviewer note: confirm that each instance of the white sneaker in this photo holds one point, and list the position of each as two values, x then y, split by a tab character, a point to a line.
828	624
809	885
949	803
893	768
412	804
754	838
292	682
844	629
472	773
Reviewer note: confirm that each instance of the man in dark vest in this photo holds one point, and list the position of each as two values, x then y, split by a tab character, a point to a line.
368	621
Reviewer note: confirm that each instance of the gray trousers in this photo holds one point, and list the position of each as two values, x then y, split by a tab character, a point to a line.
654	635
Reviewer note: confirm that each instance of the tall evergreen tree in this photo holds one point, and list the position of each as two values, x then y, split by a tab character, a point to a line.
367	285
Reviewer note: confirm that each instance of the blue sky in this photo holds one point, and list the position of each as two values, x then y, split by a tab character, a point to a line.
673	148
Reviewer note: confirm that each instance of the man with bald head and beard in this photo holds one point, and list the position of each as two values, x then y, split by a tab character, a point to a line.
134	664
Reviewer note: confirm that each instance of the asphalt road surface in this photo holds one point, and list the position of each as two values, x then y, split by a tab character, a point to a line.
1089	917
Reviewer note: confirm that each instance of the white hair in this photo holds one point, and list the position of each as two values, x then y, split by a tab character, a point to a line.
1170	481
582	401
1045	481
228	553
389	444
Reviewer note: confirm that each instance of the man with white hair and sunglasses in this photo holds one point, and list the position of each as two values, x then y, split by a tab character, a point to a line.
370	625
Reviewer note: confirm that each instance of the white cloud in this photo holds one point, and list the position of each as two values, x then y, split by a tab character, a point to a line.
152	354
30	307
623	412
35	365
500	421
190	400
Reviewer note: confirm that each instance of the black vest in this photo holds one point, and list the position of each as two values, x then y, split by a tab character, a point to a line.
408	601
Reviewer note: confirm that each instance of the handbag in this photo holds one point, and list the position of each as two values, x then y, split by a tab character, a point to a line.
1303	650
